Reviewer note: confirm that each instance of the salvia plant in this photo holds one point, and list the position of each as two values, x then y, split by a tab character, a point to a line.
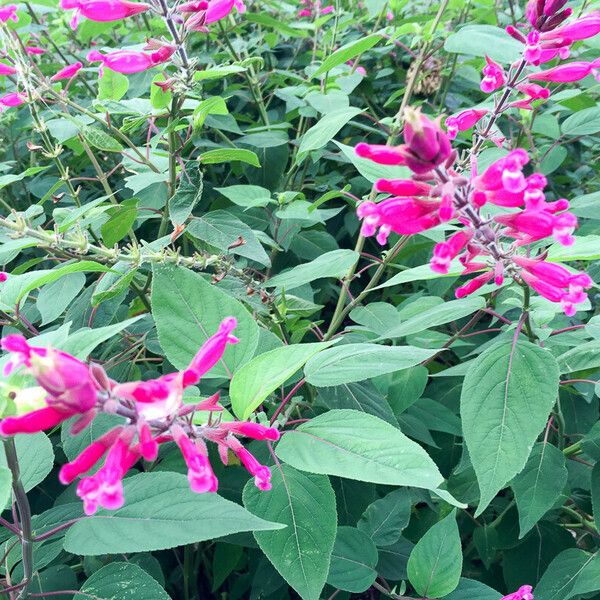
298	299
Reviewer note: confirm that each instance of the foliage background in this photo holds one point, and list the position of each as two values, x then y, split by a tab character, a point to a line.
258	166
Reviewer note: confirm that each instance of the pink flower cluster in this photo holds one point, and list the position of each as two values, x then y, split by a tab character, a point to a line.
312	9
154	414
438	193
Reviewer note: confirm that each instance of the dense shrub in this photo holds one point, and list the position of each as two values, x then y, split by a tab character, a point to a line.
299	299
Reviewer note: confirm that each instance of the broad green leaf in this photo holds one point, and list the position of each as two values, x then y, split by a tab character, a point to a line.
54	298
438	315
11	178
585	247
482	40
572	573
372	171
253	383
507	394
248	196
469	589
384	519
280	25
160	512
36	458
218	72
223	230
353	561
112	85
582	356
211	106
305	503
225	155
188	310
186	197
99	139
583	122
486	540
351	444
347	52
435	563
121	220
421	273
325	130
122	581
378	317
357	362
331	264
539	485
84	341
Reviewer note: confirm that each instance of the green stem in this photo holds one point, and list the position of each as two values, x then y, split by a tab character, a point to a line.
24	511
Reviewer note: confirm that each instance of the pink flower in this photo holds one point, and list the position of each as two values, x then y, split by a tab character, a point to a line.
12	99
103	10
464	120
580	29
382	155
544	14
67	72
37	420
200	473
261	473
105	488
206	13
251	430
532	225
493	76
403	187
523	593
573	71
131	61
444	252
66	379
211	352
34	50
533	91
314	9
474	284
426	145
8	13
505	174
3	276
7	69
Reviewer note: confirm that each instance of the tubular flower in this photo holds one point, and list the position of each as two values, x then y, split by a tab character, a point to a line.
525	592
566	73
7	69
545	15
12	99
102	10
8	13
493	76
261	473
208	12
313	9
464	121
200	473
67	72
131	61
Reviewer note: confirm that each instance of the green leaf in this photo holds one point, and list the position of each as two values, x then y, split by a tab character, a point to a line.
507	394
186	197
435	563
357	362
223	230
437	315
112	85
331	264
5	487
347	52
584	248
217	72
160	512
351	444
421	273
54	298
469	589
583	122
122	581
253	383
539	485
353	561
248	196
572	573
100	139
482	40
384	519
188	310
121	220
305	503
582	356
36	458
324	131
211	106
225	155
